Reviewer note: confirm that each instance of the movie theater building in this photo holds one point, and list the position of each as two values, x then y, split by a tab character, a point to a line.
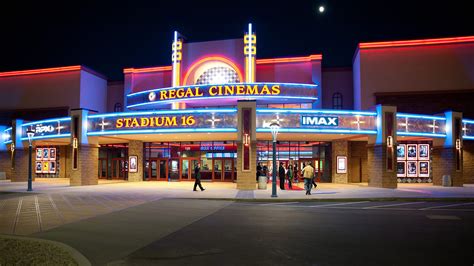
397	116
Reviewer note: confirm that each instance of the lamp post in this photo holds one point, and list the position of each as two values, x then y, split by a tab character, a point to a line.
30	133
274	127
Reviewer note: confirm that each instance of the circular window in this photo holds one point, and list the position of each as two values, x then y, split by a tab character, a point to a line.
218	75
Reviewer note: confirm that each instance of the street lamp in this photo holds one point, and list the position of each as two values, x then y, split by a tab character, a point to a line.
274	127
30	133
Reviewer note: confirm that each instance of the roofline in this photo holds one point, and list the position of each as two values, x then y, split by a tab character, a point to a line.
51	70
40	71
297	59
419	42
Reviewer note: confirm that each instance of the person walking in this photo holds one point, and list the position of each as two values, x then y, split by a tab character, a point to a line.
197	177
259	171
281	175
289	174
308	175
314	181
296	173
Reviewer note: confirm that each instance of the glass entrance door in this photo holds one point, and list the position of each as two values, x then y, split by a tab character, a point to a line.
118	168
223	169
163	169
187	168
173	168
103	168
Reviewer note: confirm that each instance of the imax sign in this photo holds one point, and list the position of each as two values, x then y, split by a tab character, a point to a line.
319	121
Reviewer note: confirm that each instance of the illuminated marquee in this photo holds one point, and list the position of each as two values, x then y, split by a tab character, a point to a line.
52	128
197	120
317	121
260	91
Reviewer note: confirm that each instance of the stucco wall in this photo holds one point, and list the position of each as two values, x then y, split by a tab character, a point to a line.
415	68
93	92
337	80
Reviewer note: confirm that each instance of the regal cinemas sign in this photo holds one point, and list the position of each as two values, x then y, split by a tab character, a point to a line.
218	90
259	91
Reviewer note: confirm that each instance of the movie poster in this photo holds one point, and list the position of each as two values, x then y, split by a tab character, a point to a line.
39	167
424	169
46	154
52	167
133	164
45	168
401	169
423	151
412	170
401	152
39	154
412	151
52	154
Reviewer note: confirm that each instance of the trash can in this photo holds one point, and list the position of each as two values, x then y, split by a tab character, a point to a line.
446	181
262	182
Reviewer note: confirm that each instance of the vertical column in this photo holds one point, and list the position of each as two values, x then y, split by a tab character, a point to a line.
176	57
84	152
448	152
468	162
340	158
135	148
4	155
250	52
381	149
246	145
19	154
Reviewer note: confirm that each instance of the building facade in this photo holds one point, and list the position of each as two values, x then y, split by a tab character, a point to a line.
213	105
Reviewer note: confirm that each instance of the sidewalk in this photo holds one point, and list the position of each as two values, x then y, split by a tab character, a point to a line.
223	190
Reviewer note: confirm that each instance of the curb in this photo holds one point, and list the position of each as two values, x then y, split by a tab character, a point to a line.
76	255
336	199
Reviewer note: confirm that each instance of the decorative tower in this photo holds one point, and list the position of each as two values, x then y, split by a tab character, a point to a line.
250	52
176	57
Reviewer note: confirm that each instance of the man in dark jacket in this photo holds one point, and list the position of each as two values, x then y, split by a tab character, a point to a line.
281	175
197	177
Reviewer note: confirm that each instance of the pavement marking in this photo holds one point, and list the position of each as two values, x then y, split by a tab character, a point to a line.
336	204
58	213
278	203
443	217
392	205
17	215
38	214
444	206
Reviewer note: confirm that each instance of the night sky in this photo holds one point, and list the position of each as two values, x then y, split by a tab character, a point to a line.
110	36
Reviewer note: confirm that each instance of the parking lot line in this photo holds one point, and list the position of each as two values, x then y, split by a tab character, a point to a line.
278	203
336	204
444	206
392	205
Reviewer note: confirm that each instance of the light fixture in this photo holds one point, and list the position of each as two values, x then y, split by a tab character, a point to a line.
30	133
274	128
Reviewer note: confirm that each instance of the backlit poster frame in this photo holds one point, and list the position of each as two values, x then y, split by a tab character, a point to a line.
412	169
401	152
52	167
133	164
424	173
412	152
45	153
401	169
426	151
39	154
38	167
52	154
45	167
341	167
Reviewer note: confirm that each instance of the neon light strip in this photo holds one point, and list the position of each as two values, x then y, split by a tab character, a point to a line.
309	111
416	42
290	59
185	111
145	131
146	70
403	133
47	121
8	142
226	84
464	137
421	116
39	71
318	130
174	51
224	97
48	137
468	121
249	62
